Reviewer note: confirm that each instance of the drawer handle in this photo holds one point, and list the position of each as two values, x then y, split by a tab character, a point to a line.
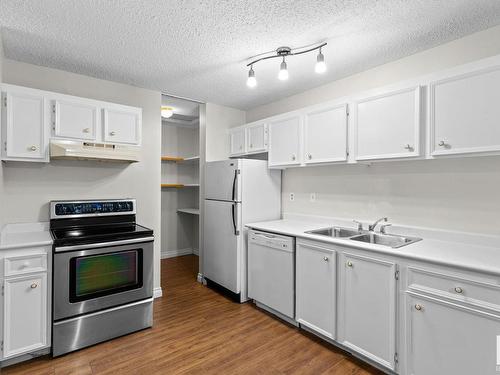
112	133
25	265
349	264
418	307
459	290
33	148
86	130
326	259
34	285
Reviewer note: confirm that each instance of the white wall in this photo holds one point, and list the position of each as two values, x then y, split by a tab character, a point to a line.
26	188
459	194
218	120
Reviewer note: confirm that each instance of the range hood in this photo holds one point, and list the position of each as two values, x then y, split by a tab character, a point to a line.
83	150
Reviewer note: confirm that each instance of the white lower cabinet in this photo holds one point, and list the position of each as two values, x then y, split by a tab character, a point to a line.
25	314
315	287
367	307
448	338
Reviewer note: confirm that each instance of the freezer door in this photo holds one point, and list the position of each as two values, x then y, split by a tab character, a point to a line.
222	244
222	180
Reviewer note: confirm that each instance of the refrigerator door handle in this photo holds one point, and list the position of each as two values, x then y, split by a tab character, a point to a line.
233	208
236	172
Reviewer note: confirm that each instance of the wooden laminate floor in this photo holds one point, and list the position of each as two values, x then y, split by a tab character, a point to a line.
198	331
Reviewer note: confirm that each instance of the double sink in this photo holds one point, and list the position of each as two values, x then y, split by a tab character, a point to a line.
390	240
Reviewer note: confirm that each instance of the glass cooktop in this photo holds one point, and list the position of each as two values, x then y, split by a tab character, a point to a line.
98	233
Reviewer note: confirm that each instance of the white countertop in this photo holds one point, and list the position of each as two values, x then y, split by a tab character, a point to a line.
13	236
470	251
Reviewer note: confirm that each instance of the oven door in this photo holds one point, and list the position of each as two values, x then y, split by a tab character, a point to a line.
90	278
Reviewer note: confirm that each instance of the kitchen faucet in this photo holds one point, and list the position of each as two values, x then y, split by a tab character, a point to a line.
372	227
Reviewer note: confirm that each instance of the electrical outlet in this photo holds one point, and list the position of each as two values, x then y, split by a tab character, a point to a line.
312	197
292	197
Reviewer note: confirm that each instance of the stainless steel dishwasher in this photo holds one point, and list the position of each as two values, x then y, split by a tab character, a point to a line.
271	273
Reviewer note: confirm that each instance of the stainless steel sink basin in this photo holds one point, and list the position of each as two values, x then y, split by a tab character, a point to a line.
338	232
390	240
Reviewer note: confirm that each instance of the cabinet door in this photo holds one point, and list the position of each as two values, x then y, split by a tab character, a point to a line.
284	141
315	288
325	135
74	119
367	315
465	112
237	142
388	125
25	314
257	138
446	338
26	125
122	125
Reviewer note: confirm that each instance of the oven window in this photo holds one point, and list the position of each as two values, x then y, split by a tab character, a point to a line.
99	275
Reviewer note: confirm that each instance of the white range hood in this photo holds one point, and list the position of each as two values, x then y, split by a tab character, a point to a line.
84	150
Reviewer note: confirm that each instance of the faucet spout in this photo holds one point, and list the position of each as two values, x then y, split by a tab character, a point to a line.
372	227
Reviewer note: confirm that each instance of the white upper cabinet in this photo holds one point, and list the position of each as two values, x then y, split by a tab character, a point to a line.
256	138
388	125
285	141
75	119
464	113
316	287
367	314
24	314
122	125
325	134
237	141
25	122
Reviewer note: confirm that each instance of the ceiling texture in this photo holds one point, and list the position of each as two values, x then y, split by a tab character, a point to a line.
199	48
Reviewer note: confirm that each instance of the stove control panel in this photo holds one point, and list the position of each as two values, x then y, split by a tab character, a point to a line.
61	209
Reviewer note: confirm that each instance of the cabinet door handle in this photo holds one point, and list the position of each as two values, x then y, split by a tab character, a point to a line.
408	147
112	133
251	145
459	290
349	264
293	157
33	286
326	259
86	130
309	156
33	148
418	307
442	144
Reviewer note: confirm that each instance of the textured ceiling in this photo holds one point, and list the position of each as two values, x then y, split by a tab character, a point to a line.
198	48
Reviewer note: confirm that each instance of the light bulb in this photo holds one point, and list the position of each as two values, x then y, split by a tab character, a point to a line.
283	74
320	66
251	81
167	112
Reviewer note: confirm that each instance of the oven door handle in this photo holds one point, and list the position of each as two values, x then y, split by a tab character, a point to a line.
59	249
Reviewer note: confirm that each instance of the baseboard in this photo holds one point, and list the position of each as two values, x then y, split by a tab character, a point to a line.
176	253
196	252
157	292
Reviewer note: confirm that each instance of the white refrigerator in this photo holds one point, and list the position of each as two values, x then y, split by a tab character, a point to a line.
237	191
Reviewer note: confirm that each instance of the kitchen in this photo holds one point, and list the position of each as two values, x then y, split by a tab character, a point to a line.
338	221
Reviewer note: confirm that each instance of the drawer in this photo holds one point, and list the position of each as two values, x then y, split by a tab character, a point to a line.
22	264
483	293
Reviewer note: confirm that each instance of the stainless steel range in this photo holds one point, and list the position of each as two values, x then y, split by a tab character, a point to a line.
103	272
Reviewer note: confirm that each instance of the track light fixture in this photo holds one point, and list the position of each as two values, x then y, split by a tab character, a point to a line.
251	81
283	52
